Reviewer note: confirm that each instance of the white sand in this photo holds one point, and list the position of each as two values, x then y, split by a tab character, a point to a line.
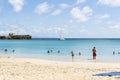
36	69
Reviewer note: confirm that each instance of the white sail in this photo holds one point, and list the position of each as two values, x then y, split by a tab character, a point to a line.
62	38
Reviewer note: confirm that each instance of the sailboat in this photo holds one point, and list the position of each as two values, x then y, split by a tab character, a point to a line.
61	38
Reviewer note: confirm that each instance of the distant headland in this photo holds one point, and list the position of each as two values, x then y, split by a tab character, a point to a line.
14	36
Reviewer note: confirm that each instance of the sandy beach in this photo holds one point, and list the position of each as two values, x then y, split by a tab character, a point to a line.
37	69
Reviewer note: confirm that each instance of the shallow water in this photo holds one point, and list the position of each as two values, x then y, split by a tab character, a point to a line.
38	48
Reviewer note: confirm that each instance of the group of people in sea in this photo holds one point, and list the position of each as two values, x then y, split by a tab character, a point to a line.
50	51
115	52
93	50
6	50
73	54
94	54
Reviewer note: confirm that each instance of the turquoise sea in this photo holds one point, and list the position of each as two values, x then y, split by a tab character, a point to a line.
37	48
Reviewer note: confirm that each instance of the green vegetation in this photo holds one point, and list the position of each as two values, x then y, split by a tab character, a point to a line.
2	37
13	36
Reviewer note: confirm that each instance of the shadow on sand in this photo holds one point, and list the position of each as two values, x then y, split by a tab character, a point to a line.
116	74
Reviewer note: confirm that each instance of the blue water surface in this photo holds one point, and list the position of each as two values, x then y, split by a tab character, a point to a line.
38	48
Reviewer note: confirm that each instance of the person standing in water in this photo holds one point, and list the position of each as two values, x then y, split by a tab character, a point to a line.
94	53
72	54
13	50
58	51
5	51
79	53
48	52
113	52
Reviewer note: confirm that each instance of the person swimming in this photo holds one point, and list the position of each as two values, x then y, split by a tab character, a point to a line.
48	52
113	52
5	50
79	53
118	52
13	50
51	51
58	51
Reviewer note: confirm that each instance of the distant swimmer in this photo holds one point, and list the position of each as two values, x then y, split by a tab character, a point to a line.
94	53
1	49
79	53
113	52
48	52
118	52
13	50
58	51
5	50
51	51
72	54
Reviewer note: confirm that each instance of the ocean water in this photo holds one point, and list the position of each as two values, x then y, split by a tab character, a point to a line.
38	48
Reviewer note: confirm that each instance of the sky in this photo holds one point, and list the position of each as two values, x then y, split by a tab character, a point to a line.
69	18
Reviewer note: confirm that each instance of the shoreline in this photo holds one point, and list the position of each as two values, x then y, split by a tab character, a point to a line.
64	58
76	59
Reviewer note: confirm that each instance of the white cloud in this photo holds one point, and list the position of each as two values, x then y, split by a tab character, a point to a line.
42	8
71	21
17	4
60	10
8	25
98	21
56	12
80	1
99	18
64	6
104	16
109	22
6	28
116	27
113	3
81	15
83	31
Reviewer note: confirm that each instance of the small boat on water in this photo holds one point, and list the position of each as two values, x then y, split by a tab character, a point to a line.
61	38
